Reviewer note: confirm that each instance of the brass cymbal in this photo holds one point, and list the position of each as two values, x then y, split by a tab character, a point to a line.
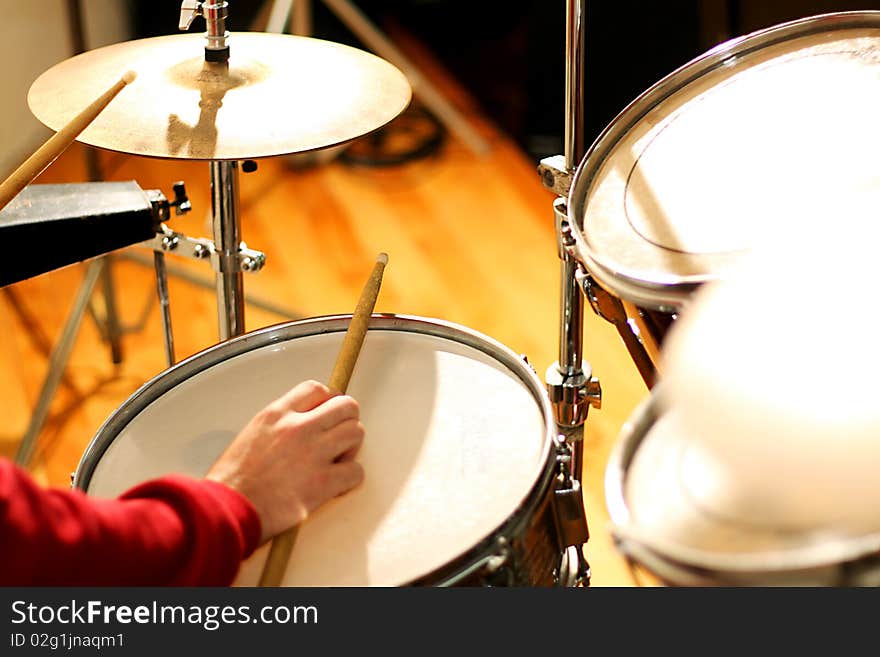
278	95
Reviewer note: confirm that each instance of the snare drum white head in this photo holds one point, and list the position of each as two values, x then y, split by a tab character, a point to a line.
454	444
751	144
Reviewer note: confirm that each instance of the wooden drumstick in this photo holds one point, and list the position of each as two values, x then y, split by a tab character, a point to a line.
58	143
282	545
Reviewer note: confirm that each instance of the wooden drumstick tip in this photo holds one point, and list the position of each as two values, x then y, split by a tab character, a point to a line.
382	258
128	77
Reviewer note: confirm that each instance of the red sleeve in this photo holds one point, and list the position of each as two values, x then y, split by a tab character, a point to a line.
172	531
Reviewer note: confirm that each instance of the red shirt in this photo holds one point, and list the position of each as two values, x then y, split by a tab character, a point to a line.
173	531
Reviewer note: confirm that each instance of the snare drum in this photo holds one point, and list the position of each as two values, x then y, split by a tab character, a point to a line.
750	137
460	453
659	522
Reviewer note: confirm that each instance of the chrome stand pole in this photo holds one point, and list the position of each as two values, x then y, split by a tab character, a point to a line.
224	189
164	305
227	242
569	380
570	383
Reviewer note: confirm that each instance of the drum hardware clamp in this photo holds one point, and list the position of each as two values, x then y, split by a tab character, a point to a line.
167	241
197	248
554	175
201	248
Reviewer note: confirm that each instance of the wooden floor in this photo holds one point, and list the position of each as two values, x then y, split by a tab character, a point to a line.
471	240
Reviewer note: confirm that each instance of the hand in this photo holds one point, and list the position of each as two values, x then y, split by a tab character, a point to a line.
294	455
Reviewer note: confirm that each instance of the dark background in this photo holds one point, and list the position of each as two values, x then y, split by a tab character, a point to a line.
511	55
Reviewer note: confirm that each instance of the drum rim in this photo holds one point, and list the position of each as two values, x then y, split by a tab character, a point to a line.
667	290
445	574
697	566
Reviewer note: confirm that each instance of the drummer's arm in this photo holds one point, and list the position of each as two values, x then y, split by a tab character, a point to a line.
171	531
293	456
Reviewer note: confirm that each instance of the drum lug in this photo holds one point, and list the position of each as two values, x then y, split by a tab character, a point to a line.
497	570
494	569
568	500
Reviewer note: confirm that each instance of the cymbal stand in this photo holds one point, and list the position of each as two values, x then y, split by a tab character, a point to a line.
227	241
572	388
227	260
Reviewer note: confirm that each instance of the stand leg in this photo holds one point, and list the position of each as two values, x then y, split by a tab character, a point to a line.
58	361
112	329
379	43
301	19
35	332
279	15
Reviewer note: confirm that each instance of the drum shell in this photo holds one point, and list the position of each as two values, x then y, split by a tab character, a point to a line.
525	550
854	564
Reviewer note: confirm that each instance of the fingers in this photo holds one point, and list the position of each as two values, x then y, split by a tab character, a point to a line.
305	396
334	411
342	477
343	441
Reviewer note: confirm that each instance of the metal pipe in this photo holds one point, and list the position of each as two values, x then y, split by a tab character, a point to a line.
58	361
571	315
571	301
164	304
111	322
227	242
575	77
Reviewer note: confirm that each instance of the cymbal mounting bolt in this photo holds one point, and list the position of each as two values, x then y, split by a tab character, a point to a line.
170	242
181	202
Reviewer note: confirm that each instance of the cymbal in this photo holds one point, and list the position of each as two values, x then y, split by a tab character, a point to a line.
278	95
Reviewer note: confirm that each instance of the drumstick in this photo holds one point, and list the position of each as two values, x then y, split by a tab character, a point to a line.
57	143
282	545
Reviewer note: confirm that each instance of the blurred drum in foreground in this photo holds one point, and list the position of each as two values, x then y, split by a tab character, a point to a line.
755	462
